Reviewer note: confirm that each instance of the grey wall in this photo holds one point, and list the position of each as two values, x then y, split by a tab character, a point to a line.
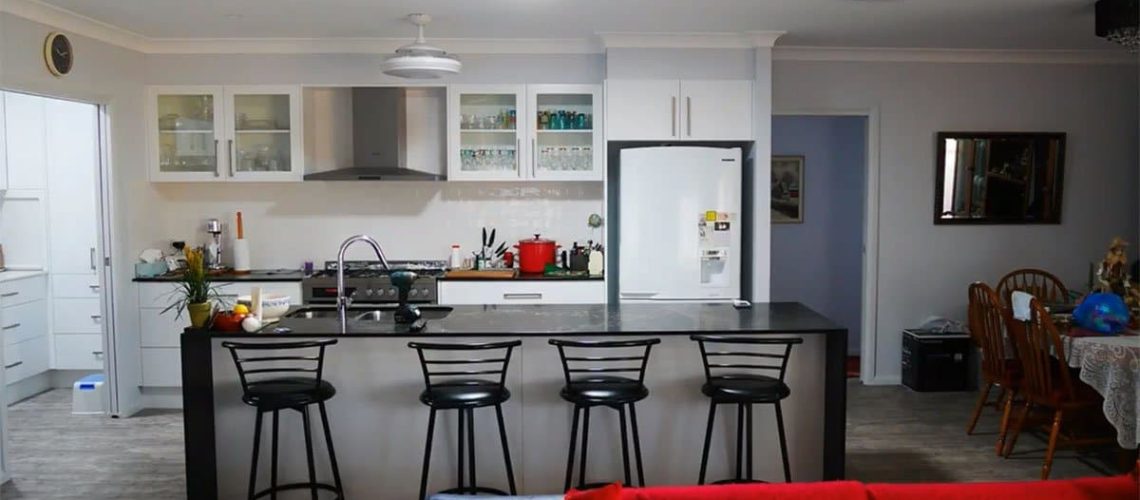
820	262
924	269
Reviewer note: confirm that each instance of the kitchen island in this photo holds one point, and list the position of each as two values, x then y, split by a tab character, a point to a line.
379	425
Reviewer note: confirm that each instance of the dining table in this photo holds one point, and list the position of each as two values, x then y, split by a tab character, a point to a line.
1110	364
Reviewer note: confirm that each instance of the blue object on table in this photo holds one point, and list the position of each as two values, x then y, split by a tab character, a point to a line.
1102	313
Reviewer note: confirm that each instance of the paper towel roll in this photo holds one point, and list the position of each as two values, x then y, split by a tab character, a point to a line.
241	255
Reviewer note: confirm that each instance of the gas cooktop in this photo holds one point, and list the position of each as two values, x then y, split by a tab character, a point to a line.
367	281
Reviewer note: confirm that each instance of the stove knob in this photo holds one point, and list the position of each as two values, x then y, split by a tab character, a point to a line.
392	292
369	292
423	292
413	292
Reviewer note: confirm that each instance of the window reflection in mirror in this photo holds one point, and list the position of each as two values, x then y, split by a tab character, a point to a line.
999	178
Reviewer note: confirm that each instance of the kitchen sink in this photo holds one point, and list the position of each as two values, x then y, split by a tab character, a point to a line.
384	314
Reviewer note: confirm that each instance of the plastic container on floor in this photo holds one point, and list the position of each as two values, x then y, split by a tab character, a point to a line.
89	395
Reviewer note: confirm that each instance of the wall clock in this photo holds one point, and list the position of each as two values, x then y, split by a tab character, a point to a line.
58	54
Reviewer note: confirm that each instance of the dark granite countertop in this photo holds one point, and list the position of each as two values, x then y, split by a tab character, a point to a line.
528	277
575	320
254	275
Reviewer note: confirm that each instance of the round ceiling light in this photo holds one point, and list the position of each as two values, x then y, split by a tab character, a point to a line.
419	60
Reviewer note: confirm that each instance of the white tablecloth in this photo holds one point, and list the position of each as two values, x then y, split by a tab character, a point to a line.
1111	365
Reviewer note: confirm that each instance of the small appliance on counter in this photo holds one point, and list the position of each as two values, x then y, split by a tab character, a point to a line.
214	249
936	360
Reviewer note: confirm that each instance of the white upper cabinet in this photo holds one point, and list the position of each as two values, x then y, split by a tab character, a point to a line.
565	127
679	110
72	163
25	138
3	187
524	132
641	109
486	126
716	110
214	134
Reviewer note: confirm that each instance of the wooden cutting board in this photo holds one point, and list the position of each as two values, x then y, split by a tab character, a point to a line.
482	274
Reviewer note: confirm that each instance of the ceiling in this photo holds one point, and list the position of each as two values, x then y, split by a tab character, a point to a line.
966	24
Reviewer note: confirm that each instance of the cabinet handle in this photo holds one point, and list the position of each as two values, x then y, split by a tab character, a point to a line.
533	158
217	164
91	258
518	149
96	317
522	296
94	287
97	353
13	365
674	114
12	326
9	294
689	114
232	160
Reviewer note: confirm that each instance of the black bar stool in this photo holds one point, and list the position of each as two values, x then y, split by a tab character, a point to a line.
462	389
744	387
297	383
588	384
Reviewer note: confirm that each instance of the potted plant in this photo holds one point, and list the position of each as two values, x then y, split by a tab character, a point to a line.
194	290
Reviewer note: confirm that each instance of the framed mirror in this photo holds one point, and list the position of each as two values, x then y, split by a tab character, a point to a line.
999	178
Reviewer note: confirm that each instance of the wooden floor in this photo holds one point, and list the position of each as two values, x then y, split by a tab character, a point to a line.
894	435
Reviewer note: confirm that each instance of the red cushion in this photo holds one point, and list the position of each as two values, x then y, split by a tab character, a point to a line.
607	492
830	490
1099	488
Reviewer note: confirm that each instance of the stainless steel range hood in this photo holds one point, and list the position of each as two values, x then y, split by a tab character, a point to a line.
397	134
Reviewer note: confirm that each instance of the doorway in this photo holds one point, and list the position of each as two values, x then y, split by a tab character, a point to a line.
819	179
55	309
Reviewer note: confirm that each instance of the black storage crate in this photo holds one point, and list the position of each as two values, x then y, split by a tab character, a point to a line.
935	361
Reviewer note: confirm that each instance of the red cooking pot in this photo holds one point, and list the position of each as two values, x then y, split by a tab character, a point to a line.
535	254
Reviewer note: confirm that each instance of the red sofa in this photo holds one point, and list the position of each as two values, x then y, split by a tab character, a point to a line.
1123	487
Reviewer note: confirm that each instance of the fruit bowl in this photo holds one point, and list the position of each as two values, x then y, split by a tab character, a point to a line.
273	305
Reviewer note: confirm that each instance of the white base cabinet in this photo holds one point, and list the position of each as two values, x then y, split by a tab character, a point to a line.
521	292
161	361
24	323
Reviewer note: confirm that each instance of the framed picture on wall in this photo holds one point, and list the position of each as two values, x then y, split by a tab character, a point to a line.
787	189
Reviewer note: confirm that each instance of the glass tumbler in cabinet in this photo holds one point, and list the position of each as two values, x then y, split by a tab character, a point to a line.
265	138
485	128
565	144
187	134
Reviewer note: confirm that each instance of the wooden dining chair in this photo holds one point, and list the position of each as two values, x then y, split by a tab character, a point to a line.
1048	384
1036	282
987	316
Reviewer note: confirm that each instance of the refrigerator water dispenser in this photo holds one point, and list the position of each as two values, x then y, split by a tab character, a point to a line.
714	267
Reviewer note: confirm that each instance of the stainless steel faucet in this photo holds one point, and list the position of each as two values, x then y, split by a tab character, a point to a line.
342	300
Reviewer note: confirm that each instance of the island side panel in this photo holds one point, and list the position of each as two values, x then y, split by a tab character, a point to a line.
835	410
198	416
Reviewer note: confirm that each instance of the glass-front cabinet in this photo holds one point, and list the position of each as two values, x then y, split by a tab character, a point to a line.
212	134
524	132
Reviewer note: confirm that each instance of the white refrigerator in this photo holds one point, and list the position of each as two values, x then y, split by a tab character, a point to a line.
679	231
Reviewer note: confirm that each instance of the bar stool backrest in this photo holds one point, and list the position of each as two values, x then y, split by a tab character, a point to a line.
581	359
266	360
438	368
756	355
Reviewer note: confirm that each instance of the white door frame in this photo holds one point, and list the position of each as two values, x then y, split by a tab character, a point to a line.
869	338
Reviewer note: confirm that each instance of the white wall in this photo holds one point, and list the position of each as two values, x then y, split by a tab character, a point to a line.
112	76
290	223
925	269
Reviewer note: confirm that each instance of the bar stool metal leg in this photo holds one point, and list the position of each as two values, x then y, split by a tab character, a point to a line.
256	452
331	450
427	455
309	450
624	445
585	447
471	448
739	442
273	470
748	445
636	445
783	443
708	441
506	450
573	444
462	444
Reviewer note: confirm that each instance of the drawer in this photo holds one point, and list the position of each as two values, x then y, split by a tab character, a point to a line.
161	367
158	329
522	292
23	322
77	316
75	286
79	352
22	291
25	359
159	295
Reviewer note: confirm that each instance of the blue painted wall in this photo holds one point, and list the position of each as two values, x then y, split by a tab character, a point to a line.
820	262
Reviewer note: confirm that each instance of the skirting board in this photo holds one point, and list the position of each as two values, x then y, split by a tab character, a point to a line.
27	388
886	380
